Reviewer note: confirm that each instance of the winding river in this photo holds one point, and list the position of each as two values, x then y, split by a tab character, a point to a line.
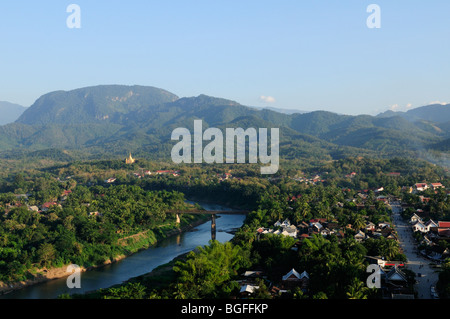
139	263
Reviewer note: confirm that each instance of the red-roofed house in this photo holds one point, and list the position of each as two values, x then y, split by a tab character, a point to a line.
420	187
424	199
318	220
65	194
46	206
162	172
294	198
442	230
303	236
444	224
435	186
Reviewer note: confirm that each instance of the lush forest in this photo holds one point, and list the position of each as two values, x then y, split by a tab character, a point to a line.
92	226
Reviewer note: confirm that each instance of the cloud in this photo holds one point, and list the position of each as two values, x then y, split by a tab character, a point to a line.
267	99
394	107
400	108
437	102
409	106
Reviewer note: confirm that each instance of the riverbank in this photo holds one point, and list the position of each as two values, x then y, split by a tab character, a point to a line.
132	244
47	274
160	277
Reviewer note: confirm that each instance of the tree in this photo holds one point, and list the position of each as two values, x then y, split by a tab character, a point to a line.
46	254
207	271
262	292
390	248
357	290
19	183
320	295
358	222
129	291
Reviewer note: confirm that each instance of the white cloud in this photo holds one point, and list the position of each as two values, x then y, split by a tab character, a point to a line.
267	99
394	107
437	102
400	108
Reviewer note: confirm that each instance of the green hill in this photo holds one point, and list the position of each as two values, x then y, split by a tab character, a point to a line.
105	103
10	112
438	113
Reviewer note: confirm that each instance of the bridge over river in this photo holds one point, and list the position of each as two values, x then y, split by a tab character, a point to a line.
213	214
141	262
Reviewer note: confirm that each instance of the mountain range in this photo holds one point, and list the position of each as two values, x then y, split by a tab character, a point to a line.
439	113
117	119
10	112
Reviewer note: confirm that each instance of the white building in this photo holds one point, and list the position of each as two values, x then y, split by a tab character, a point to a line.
419	226
415	218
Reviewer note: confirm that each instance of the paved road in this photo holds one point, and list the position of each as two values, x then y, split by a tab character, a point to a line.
416	262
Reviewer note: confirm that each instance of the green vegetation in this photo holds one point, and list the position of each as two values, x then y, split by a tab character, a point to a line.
93	225
97	222
335	263
92	104
116	119
61	202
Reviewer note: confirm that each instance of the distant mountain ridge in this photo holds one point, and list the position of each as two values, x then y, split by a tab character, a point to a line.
116	119
10	112
92	104
280	110
439	113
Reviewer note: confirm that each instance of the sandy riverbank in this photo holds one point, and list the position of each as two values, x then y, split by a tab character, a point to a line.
47	274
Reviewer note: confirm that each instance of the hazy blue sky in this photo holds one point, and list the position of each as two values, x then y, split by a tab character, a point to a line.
307	55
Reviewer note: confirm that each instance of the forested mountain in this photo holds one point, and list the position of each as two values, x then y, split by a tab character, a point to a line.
116	119
439	113
280	110
10	112
93	104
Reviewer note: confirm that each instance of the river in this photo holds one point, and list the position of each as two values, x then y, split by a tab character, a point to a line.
139	263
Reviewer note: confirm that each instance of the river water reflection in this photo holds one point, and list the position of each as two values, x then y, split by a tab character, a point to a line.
140	263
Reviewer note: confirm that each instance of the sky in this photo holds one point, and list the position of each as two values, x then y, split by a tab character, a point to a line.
300	54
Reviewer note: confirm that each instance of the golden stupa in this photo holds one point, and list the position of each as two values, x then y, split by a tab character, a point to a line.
130	160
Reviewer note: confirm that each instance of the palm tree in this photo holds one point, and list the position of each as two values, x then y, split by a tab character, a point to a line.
357	290
390	248
358	222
